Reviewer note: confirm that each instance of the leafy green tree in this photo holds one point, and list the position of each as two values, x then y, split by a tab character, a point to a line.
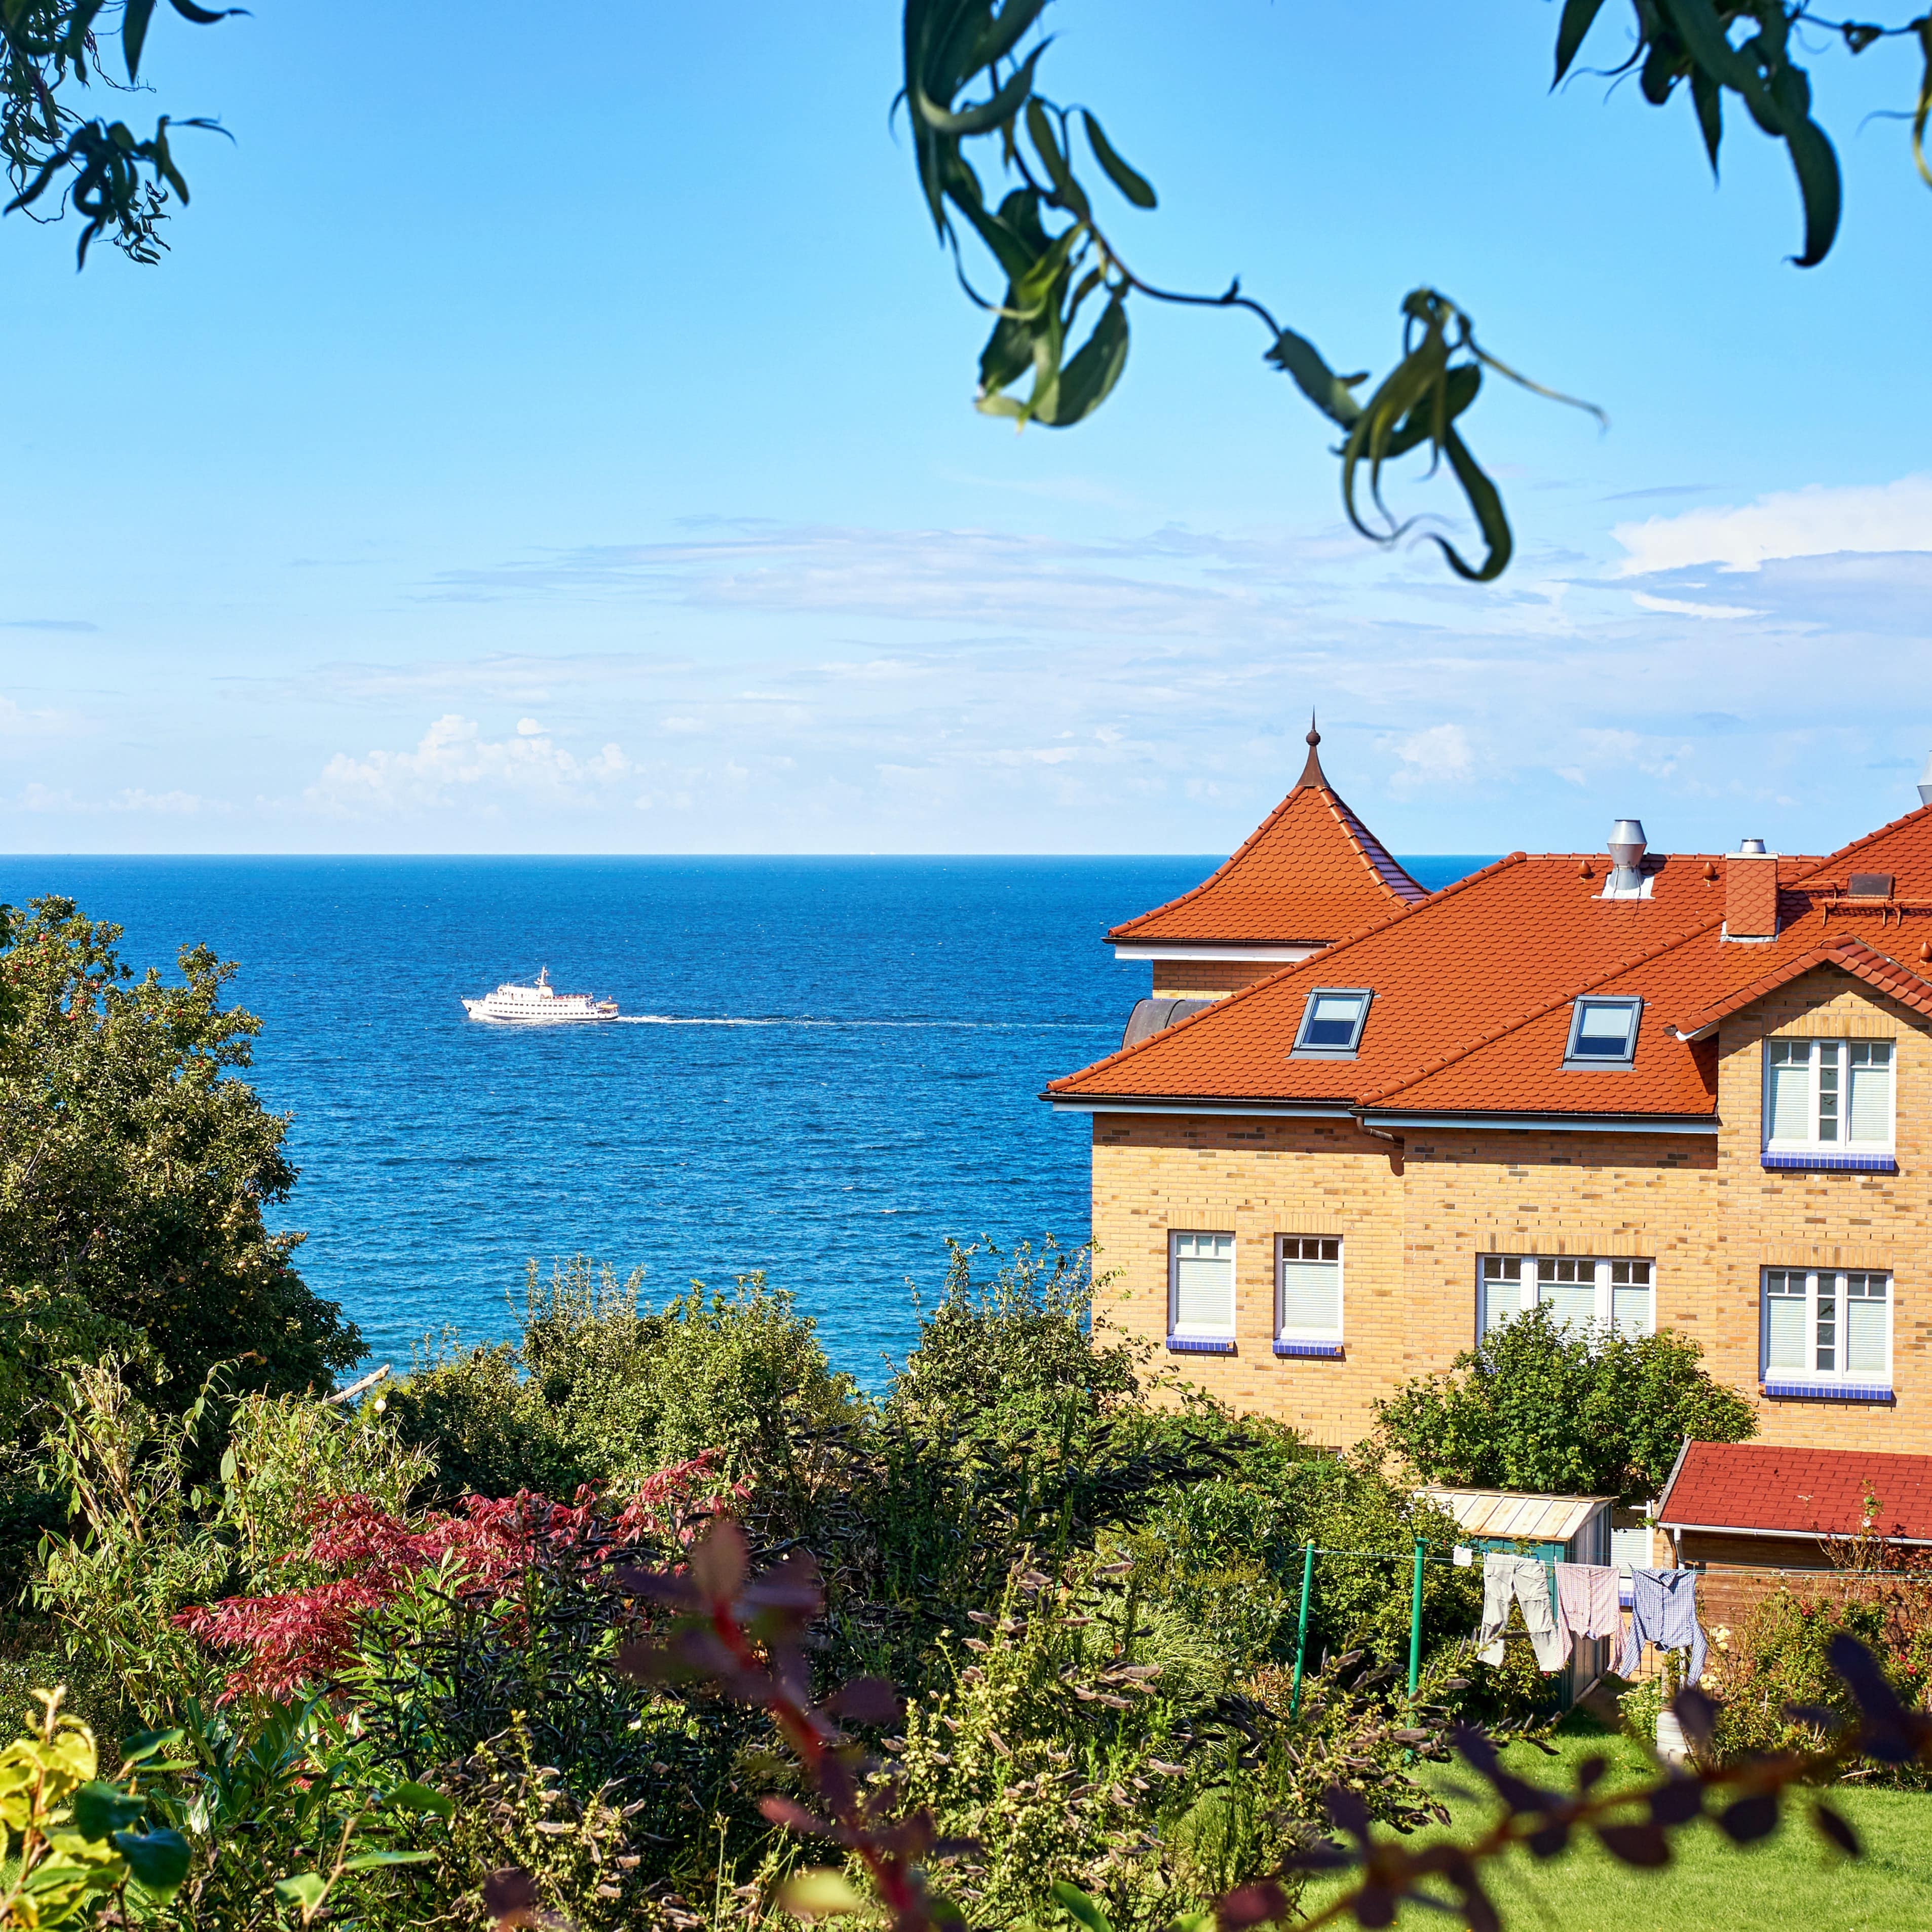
1540	1404
134	1172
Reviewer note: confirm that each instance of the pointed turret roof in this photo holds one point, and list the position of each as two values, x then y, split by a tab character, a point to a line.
1310	873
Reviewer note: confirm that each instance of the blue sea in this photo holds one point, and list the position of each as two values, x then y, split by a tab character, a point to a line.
827	1065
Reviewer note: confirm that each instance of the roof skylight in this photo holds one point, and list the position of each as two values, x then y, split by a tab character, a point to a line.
1603	1033
1331	1023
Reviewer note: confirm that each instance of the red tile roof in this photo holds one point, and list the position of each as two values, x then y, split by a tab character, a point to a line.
1750	1485
1310	873
1473	988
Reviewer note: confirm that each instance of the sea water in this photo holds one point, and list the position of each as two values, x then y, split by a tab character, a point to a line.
825	1066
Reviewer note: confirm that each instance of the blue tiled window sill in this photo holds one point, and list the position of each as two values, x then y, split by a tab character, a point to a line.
1830	1163
1804	1391
1325	1351
1200	1345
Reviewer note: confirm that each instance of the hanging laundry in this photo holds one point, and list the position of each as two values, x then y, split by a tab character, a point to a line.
1663	1611
1524	1580
1586	1602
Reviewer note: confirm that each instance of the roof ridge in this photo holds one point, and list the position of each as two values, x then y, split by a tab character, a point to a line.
1847	949
1844	851
1501	1029
1369	848
1293	966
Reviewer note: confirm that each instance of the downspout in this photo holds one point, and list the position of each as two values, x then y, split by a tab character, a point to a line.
1397	1149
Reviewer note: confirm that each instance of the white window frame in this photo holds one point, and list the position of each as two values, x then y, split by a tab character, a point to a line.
1175	1236
1282	1332
1303	1050
1492	1273
1778	1047
1841	1280
1603	1062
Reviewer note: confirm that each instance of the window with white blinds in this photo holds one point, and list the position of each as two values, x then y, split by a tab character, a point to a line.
1828	1095
1308	1288
1200	1293
1578	1291
1827	1324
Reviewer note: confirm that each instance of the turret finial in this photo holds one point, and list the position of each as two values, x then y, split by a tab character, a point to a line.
1312	773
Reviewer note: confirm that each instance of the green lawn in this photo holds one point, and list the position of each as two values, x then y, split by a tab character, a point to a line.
1790	1881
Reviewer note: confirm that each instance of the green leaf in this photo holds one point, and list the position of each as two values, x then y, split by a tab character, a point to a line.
987	115
1089	377
134	18
1003	35
411	1796
819	1893
1579	17
1924	107
1327	391
1072	1900
306	1889
1709	99
1490	519
100	1810
371	1860
1819	186
159	1860
138	1745
1039	125
200	16
1136	187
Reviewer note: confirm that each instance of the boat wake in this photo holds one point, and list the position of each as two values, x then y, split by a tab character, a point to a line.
950	1026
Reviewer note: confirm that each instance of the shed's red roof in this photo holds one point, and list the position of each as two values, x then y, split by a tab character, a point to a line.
1308	874
1474	987
1750	1485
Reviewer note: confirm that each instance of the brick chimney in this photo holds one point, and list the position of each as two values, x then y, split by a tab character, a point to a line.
1750	892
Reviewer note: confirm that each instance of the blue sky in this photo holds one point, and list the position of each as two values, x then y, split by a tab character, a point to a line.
565	444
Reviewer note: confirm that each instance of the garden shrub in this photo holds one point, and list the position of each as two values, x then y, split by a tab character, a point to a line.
602	1389
997	1358
1776	1659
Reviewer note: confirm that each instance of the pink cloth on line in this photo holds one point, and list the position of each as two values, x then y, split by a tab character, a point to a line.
1586	1601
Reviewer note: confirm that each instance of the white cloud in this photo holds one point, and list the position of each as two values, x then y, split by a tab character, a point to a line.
1814	522
454	763
1677	607
1441	755
529	727
17	721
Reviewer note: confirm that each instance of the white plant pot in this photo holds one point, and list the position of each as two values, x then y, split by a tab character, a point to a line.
1670	1745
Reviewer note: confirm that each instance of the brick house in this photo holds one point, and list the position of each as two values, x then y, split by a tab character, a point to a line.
1360	1122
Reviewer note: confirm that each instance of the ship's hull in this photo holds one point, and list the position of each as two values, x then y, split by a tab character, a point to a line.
478	1009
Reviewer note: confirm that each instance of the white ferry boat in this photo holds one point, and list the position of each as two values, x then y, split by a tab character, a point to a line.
540	1005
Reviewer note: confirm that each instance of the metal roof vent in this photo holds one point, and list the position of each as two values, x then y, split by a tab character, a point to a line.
1627	845
1750	847
1925	782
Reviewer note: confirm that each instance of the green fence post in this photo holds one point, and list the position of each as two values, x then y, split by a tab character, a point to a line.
1301	1631
1415	1623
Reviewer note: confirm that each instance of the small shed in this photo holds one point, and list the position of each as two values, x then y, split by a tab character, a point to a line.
1559	1529
1752	1516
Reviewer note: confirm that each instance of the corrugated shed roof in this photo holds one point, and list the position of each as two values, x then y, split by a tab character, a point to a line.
1751	1486
1474	987
1310	874
1513	1513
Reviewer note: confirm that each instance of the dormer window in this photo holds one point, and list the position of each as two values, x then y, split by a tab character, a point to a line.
1603	1033
1331	1023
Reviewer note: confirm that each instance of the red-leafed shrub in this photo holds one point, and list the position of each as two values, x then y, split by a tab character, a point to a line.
367	1556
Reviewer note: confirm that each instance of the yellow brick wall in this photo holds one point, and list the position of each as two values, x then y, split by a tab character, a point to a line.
1415	1222
1209	978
